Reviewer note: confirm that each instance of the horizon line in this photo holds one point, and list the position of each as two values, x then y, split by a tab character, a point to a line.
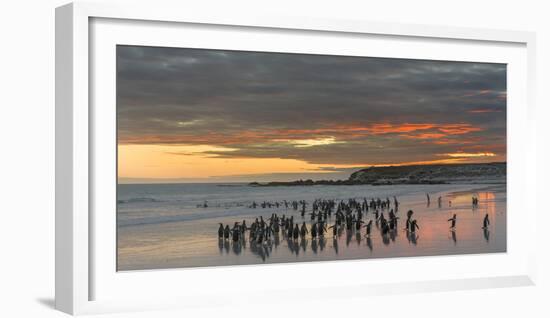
177	180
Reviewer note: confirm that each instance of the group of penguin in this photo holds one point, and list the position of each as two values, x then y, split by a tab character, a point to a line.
348	214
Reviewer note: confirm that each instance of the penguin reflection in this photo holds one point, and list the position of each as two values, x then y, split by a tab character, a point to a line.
220	244
314	246
393	235
276	240
237	247
322	243
453	236
335	244
262	250
486	234
303	244
348	237
385	239
369	243
412	237
293	246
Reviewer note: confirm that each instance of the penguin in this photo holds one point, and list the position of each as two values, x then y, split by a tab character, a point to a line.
453	222
243	227
393	222
334	230
303	230
314	231
296	232
289	231
321	229
486	221
409	216
236	231
226	232
385	226
276	227
220	231
414	226
368	227
358	225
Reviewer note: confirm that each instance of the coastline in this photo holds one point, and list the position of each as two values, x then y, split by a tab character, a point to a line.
471	173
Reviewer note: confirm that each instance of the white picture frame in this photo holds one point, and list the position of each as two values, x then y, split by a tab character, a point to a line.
81	260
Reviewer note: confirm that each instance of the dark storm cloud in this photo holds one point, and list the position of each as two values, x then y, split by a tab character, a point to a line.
252	101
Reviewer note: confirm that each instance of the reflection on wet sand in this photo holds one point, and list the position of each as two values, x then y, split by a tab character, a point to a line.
412	237
453	236
303	245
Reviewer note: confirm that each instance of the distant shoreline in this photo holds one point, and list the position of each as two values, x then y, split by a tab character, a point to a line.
413	175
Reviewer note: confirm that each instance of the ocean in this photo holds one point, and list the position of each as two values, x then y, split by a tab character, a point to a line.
162	226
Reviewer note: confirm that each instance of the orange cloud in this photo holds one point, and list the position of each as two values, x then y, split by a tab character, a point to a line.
402	128
337	133
425	136
458	129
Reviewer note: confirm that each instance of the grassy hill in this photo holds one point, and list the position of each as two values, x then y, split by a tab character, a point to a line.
417	174
426	174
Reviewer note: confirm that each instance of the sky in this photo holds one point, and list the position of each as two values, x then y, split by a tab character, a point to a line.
197	115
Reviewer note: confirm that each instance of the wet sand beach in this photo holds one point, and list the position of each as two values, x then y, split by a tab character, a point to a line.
175	230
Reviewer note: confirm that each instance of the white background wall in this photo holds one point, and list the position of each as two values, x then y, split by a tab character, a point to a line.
27	156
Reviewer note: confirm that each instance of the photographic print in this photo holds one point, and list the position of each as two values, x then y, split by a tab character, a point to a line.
237	157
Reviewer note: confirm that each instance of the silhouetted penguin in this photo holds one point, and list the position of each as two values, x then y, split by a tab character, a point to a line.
414	226
220	231
296	232
358	225
243	228
385	226
334	230
303	230
409	216
369	227
314	230
393	222
321	229
453	222
486	221
226	232
236	232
